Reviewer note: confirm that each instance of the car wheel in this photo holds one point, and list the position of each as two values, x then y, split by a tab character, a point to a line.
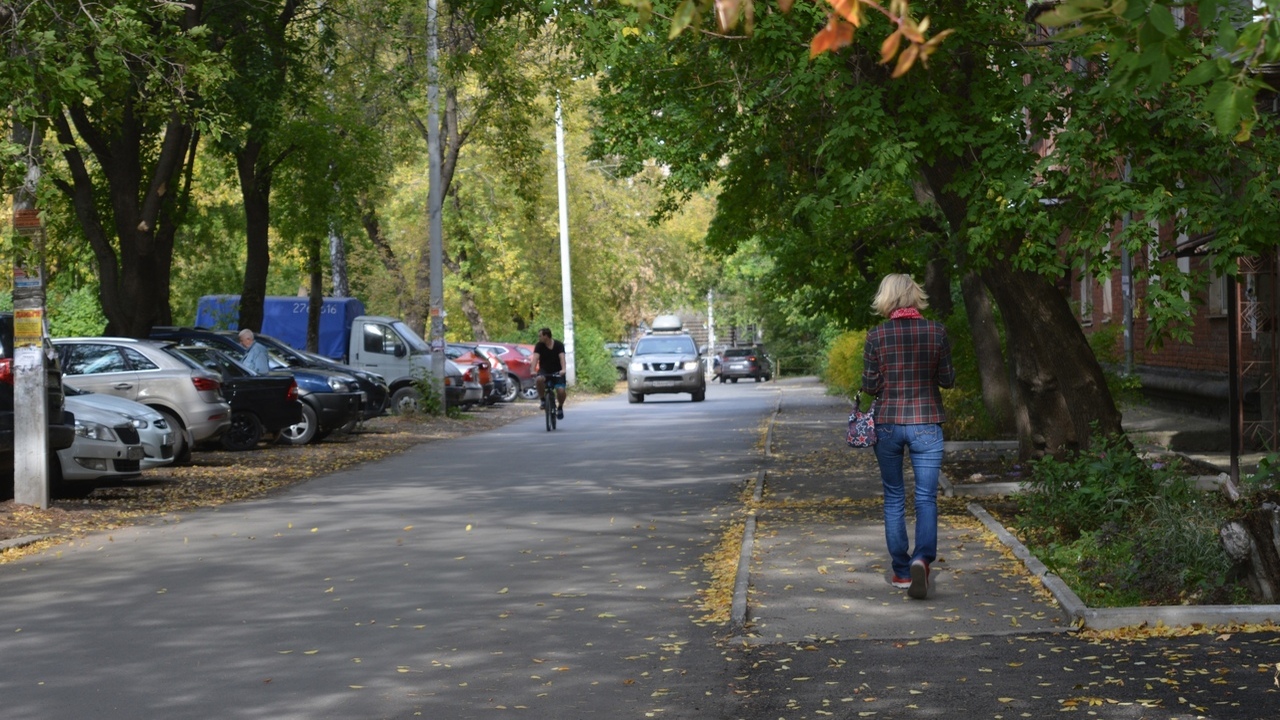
635	397
622	374
405	401
530	391
700	395
734	381
244	433
181	444
304	431
512	392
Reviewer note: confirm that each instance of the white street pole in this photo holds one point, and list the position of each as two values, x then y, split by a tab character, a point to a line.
566	284
711	328
435	198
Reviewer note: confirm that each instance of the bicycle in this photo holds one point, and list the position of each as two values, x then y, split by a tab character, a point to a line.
550	384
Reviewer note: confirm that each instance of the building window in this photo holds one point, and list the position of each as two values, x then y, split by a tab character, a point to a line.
1217	294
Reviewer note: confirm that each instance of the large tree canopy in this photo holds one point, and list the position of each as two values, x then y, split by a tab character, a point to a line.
1005	157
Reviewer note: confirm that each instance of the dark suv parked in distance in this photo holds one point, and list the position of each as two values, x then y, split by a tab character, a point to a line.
745	362
61	426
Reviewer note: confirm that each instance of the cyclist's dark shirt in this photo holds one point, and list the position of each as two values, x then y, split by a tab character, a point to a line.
549	357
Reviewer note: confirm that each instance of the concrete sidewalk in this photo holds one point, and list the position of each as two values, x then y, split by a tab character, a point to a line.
819	567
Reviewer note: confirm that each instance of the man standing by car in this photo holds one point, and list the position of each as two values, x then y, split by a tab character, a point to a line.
549	364
256	357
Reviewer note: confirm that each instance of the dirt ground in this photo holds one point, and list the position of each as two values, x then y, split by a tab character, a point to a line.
217	477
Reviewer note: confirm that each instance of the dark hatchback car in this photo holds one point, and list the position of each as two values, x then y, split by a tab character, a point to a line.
61	431
261	405
745	362
330	400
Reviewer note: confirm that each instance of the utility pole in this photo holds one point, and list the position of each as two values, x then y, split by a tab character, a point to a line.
435	198
566	284
30	407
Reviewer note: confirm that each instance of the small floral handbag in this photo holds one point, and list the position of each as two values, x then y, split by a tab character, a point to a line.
862	425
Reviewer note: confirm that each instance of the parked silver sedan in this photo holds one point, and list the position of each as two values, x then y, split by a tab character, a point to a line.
153	430
190	399
106	445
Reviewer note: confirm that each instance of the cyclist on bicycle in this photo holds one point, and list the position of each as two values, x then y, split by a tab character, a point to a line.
549	364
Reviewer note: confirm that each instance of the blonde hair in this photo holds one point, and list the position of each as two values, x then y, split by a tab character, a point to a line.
899	291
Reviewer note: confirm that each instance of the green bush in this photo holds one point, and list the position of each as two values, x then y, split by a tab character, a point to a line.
843	372
1121	531
1087	490
967	417
592	362
1106	346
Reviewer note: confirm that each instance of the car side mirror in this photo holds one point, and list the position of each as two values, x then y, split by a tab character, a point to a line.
400	351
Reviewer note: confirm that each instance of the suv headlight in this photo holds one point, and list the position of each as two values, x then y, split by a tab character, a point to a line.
95	431
691	365
637	367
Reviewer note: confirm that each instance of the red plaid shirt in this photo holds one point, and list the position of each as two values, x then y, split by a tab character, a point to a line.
905	362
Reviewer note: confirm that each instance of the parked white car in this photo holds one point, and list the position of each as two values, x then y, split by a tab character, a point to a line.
153	430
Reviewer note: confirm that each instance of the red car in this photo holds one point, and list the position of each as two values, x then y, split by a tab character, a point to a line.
519	361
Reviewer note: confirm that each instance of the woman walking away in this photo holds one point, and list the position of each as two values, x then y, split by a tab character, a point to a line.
906	360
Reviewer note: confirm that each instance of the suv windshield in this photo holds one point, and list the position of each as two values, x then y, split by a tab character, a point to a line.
665	346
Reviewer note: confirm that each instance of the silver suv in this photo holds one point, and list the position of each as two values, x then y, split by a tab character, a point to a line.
666	361
190	399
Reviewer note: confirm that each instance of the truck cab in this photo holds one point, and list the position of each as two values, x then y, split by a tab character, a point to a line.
389	347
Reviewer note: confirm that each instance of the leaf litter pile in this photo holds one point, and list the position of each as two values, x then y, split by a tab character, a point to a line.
218	477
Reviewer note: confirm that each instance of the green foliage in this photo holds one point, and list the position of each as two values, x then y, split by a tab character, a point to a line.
429	401
1105	343
843	372
967	417
76	313
592	362
1121	531
1265	481
1087	490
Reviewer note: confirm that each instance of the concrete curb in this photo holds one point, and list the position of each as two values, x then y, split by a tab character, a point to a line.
742	581
20	541
1086	617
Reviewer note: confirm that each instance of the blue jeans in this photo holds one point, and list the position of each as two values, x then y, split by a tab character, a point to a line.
925	443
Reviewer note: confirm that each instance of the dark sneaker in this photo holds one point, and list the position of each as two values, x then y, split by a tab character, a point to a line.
559	413
919	587
900	582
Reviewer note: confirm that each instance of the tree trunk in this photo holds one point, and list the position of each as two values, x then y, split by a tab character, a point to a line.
373	228
1059	385
255	189
338	263
133	281
937	285
997	395
315	297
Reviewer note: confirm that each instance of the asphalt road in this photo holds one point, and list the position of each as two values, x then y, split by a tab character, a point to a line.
552	576
515	571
